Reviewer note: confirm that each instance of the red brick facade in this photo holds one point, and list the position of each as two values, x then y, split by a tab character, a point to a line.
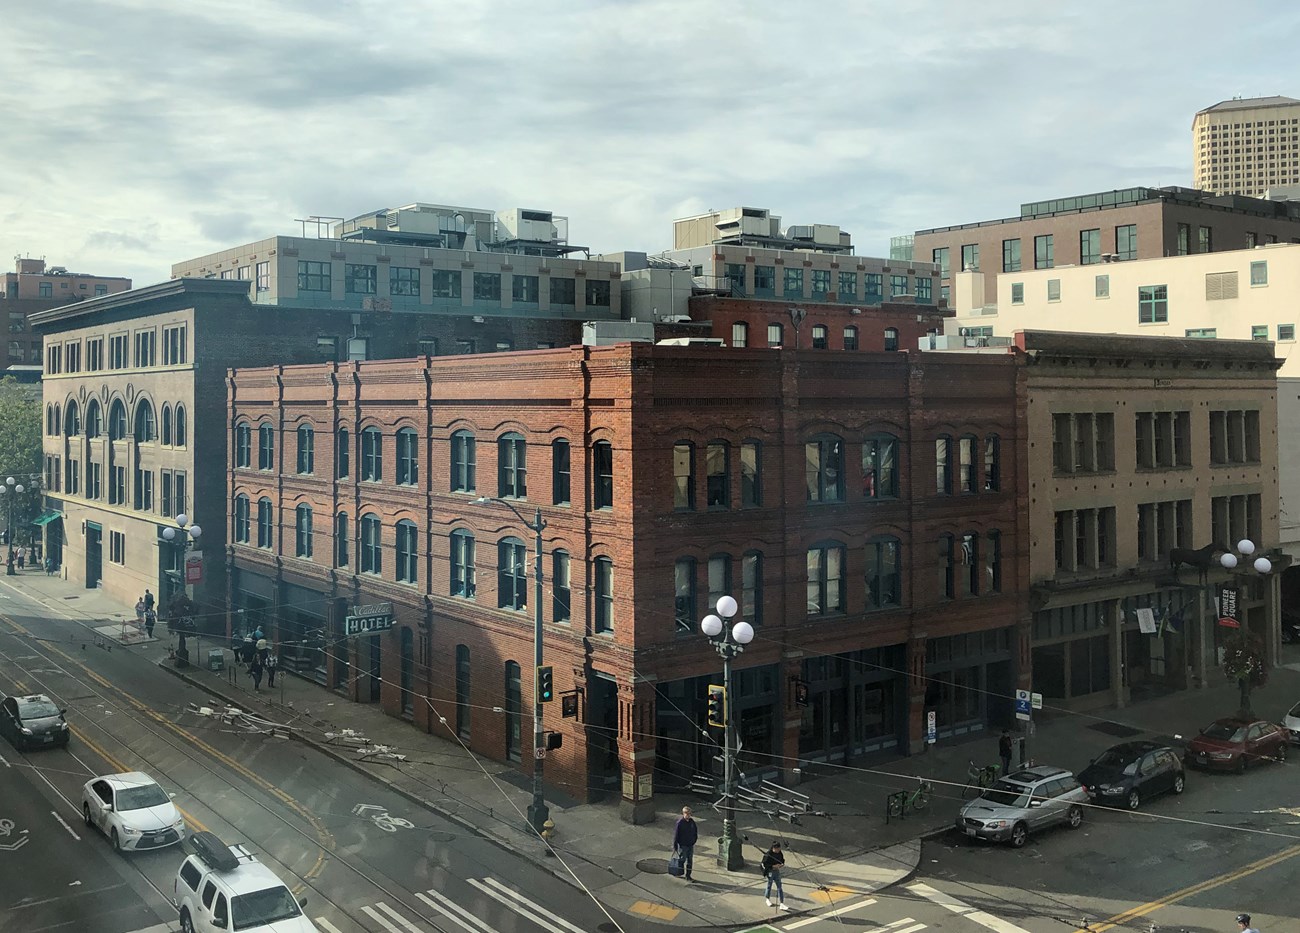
641	685
893	325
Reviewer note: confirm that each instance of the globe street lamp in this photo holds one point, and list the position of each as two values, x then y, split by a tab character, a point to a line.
538	814
1231	612
181	537
11	489
728	642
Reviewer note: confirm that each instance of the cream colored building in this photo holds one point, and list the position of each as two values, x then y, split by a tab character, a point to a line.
1246	146
1239	294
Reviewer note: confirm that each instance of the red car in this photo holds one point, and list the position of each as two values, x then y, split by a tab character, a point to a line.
1234	744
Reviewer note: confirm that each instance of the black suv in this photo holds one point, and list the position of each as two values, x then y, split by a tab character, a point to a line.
1128	773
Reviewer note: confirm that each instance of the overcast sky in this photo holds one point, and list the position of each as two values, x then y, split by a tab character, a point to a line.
137	134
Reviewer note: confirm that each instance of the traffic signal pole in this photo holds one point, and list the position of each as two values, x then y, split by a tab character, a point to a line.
538	814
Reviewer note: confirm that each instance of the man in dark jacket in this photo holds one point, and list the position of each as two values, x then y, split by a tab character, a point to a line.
773	862
685	835
1004	752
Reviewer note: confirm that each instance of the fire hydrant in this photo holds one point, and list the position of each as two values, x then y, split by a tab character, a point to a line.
548	832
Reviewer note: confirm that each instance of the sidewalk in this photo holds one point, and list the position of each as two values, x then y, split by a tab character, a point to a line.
831	861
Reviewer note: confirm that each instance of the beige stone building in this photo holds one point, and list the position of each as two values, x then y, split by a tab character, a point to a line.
1247	145
1139	445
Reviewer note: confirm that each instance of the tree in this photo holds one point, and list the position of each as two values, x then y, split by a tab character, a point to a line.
20	449
1243	661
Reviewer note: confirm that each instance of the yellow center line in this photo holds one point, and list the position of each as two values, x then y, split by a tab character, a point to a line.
1151	906
99	750
324	837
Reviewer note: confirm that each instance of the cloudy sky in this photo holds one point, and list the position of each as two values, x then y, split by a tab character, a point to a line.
137	133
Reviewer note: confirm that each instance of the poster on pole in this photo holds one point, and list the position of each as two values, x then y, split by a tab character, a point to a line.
193	566
1146	620
1229	610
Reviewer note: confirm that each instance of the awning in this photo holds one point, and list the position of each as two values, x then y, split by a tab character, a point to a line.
47	517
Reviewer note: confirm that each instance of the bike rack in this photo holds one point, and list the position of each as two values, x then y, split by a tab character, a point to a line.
898	797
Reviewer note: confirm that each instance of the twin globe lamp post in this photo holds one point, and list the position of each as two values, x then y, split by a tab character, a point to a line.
728	642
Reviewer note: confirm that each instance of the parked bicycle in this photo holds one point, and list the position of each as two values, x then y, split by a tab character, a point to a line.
916	799
980	777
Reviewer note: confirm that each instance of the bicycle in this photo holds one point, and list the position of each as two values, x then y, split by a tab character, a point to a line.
915	800
980	777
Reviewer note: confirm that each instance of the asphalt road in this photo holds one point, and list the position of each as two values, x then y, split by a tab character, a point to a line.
365	858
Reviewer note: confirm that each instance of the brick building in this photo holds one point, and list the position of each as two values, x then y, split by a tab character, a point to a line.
31	288
867	510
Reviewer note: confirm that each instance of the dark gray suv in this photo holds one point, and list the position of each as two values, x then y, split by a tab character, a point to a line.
1027	800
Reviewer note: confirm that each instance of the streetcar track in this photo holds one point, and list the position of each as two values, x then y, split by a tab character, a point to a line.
306	879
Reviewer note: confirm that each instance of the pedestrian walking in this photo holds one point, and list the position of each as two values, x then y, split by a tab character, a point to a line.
49	566
272	665
1004	752
685	834
246	654
148	600
255	671
139	612
773	862
263	649
22	558
150	620
1243	924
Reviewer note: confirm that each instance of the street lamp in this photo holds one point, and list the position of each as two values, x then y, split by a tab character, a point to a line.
728	643
181	537
11	488
1246	547
538	814
1230	604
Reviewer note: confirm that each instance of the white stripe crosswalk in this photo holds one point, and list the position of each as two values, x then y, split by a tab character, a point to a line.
497	890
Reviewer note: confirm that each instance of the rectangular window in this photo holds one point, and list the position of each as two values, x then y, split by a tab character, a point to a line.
1258	273
143	489
525	289
563	291
1285	332
46	289
874	288
180	499
1011	255
1017	293
404	282
736	279
739	334
821	283
1201	332
95	354
683	476
72	357
602	475
825	580
165	477
1126	241
1053	289
1101	286
117	351
966	464
341	526
1204	239
1184	245
446	283
408	458
684	595
1044	252
560	477
603	571
1259	332
360	279
970	257
751	587
924	289
175	346
117	547
1153	304
765	281
793	283
943	465
598	293
897	285
117	485
1089	247
487	286
751	488
146	345
940	257
313	276
717	475
848	290
263	276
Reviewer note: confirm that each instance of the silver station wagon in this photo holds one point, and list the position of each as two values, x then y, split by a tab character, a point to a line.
1024	801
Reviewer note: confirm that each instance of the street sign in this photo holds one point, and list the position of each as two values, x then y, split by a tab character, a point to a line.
1229	616
931	727
1036	700
1023	704
366	620
539	751
193	566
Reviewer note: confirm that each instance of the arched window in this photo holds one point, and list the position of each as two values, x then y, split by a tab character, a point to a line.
512	466
880	467
372	554
372	455
463	580
891	338
243	444
94	419
562	599
884	577
165	419
850	337
824	468
408	457
602	572
408	550
740	334
826	578
966	463
265	447
306	449
512	574
943	465
993	562
945	561
265	523
514	711
463	718
146	428
717	475
342	527
685	595
241	519
463	462
751	587
683	475
602	475
560	492
820	337
775	335
407	669
302	532
178	435
992	463
969	556
51	421
72	420
343	454
116	420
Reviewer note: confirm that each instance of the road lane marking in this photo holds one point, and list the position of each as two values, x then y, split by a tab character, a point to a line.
321	922
455	913
866	902
383	922
195	823
398	917
1152	906
564	925
5	761
64	824
961	908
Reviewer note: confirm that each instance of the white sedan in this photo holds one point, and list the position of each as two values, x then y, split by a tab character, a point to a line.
132	811
1291	723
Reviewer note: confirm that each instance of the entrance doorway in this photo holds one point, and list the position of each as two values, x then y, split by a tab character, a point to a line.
94	554
602	736
376	678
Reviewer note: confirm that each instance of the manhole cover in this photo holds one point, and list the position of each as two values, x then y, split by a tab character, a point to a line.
653	866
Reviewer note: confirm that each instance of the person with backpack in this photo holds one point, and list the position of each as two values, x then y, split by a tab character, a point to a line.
272	665
773	862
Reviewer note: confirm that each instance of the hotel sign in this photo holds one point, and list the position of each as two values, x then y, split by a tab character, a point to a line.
366	620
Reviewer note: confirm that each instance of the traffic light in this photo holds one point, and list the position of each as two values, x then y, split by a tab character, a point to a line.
546	684
554	740
717	705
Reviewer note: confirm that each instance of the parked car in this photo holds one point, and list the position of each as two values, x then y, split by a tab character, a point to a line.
1291	722
1130	772
132	811
1233	744
33	722
1027	800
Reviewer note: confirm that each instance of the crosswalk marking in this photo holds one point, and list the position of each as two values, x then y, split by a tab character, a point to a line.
865	902
328	927
411	927
455	913
373	915
564	926
986	920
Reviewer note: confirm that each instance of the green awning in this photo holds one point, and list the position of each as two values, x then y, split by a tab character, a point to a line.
47	517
